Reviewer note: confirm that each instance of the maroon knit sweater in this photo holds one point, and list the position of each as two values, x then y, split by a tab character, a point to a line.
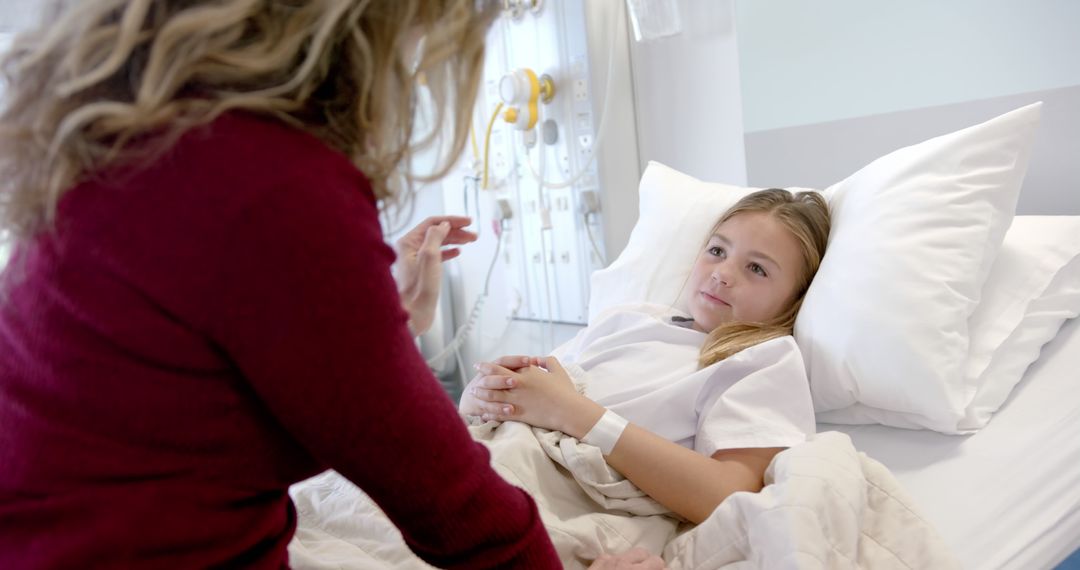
199	334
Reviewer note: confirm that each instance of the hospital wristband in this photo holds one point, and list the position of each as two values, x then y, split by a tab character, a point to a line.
606	432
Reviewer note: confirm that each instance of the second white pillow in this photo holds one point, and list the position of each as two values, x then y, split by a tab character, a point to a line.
883	328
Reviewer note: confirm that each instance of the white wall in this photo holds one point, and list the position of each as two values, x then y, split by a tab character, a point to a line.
675	100
811	62
830	85
617	156
689	107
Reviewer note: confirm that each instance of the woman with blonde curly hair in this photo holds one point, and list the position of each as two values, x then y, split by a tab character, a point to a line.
200	308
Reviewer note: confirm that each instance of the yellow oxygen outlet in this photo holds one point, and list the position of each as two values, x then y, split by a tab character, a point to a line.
523	90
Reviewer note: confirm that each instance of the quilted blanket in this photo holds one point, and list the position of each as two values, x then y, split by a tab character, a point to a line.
824	505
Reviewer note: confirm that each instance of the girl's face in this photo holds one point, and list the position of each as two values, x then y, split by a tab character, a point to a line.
749	271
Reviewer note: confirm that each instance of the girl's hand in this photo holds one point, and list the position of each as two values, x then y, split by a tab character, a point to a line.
538	397
470	405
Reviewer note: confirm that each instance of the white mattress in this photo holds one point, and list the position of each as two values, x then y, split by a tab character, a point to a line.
1009	495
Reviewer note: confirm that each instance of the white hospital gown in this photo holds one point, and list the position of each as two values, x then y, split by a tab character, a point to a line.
636	362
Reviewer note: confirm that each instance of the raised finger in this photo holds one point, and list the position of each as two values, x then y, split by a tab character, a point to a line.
448	254
417	234
433	239
457	223
459	236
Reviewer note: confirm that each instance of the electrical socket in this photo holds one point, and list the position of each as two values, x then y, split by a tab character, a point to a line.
503	210
499	163
584	123
581	90
545	219
590	202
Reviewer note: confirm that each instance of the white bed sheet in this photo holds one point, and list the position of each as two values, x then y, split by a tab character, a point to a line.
1009	495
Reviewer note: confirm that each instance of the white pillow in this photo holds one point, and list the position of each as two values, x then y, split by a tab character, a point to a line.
884	326
675	212
1033	288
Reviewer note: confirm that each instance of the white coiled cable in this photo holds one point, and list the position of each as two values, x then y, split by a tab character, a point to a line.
474	315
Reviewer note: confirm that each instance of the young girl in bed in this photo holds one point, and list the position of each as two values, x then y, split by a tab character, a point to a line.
691	407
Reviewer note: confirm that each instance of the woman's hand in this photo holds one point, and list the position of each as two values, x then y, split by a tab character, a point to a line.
538	397
633	559
418	269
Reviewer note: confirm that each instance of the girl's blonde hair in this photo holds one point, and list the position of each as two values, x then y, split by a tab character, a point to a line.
806	216
105	82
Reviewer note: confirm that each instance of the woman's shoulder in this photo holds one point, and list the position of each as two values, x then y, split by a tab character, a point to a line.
264	136
261	147
242	158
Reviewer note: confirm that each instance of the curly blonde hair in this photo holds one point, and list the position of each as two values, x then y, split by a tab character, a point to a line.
104	74
806	216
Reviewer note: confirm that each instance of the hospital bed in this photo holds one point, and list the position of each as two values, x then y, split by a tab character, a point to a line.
1007	496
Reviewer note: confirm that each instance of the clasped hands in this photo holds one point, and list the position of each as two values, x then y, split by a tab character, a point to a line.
539	392
533	390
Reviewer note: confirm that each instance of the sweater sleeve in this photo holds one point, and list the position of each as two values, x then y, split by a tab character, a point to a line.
311	317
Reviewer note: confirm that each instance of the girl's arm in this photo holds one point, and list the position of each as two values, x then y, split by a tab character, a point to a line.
681	479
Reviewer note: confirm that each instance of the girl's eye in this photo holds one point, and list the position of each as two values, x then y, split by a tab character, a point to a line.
758	269
717	251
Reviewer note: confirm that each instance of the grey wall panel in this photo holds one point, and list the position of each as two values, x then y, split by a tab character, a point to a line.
806	62
820	154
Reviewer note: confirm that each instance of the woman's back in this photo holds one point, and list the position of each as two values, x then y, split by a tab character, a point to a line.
195	337
120	398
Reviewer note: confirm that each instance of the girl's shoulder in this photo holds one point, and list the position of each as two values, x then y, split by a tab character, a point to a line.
785	342
781	348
